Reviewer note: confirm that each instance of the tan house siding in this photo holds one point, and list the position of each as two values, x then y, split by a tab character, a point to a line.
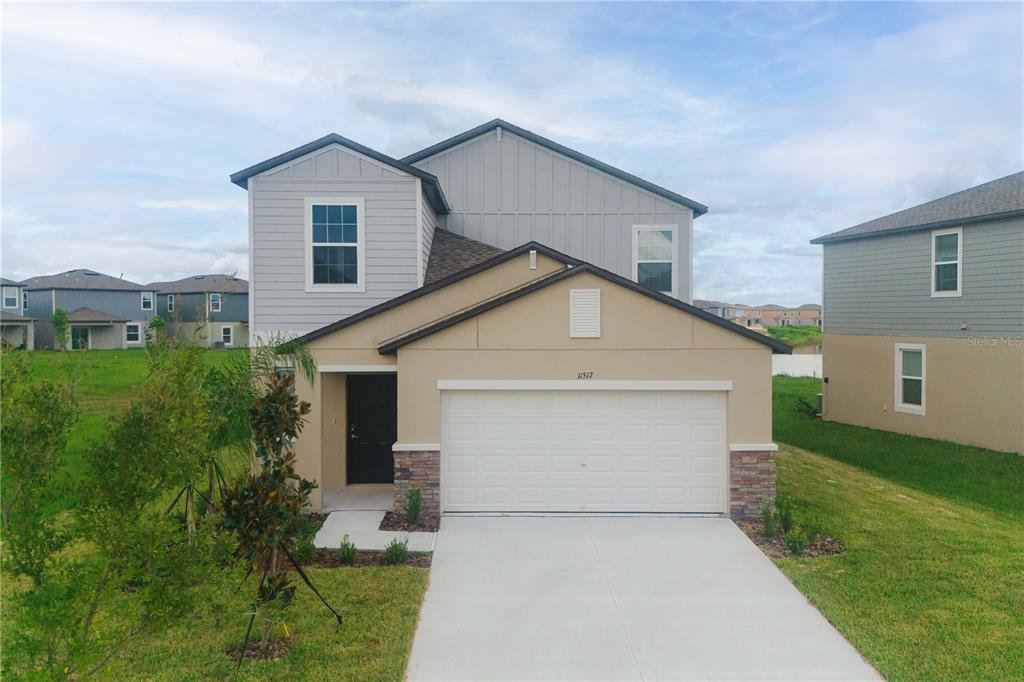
974	388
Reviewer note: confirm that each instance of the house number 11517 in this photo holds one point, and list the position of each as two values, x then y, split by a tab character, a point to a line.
585	375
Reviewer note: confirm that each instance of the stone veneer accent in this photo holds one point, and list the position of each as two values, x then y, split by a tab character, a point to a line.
422	469
751	482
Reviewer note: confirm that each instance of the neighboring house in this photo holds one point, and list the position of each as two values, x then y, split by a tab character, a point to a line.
924	319
209	309
726	311
103	311
16	328
458	351
754	317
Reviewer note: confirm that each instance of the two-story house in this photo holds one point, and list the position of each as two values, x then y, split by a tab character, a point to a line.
504	322
16	328
212	310
104	312
924	319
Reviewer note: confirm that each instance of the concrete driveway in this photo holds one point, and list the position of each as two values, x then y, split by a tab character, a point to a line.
617	598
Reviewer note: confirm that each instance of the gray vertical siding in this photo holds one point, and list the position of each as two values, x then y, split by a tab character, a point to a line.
123	304
280	301
882	285
428	224
191	307
510	192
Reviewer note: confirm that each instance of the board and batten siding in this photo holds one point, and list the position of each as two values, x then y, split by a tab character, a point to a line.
882	285
278	282
508	192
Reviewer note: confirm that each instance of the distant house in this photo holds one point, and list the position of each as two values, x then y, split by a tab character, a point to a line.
759	317
104	312
210	309
924	326
726	311
16	329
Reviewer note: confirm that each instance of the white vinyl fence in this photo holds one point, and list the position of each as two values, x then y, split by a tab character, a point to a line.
808	365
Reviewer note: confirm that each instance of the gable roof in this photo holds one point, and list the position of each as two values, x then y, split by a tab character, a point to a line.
82	278
394	344
1002	198
201	284
89	315
10	282
698	208
451	253
439	284
431	186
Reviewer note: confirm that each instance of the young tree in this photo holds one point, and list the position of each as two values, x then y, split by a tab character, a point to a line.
265	511
60	323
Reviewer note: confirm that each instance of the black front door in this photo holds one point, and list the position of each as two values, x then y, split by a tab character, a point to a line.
372	401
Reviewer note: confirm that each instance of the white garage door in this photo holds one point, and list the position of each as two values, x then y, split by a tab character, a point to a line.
522	450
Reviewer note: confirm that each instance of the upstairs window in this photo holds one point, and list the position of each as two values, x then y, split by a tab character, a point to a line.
910	378
24	299
947	262
10	297
215	303
170	303
334	238
654	257
147	300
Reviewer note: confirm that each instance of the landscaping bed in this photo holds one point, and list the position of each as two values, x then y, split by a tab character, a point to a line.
775	547
331	558
427	523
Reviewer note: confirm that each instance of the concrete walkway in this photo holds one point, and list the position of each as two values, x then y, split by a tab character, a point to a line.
362	529
617	598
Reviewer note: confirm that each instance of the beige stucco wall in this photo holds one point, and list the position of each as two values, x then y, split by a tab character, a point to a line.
18	333
208	333
526	339
974	388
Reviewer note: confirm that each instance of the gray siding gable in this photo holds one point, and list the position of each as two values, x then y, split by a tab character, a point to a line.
509	191
882	285
277	215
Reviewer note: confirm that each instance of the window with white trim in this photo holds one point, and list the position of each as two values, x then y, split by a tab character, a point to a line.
654	257
170	303
910	378
335	258
947	262
215	302
227	335
147	300
24	299
132	333
10	297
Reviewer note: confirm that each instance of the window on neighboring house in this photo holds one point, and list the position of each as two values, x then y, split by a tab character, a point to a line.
147	300
131	333
335	259
24	299
910	372
170	303
79	338
654	257
215	303
10	297
226	335
947	262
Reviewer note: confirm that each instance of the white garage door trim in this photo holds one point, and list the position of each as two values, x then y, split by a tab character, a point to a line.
580	385
667	446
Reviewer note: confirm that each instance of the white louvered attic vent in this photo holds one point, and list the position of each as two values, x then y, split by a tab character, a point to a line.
585	313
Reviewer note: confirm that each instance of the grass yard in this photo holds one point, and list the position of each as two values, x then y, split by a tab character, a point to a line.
931	585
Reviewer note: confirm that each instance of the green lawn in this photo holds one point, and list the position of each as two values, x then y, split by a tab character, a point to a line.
931	585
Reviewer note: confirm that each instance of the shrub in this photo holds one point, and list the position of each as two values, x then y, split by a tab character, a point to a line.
787	512
397	551
771	520
413	504
813	525
303	547
347	551
796	540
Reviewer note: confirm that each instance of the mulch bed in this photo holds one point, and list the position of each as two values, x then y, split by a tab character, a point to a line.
428	523
822	545
328	558
276	648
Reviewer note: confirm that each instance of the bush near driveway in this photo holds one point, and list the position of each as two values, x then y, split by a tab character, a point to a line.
931	583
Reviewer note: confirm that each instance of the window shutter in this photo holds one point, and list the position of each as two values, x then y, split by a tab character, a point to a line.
585	313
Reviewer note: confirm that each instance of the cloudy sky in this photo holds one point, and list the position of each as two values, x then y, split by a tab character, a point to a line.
122	122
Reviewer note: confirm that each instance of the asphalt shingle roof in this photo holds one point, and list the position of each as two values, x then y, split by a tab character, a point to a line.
82	279
451	253
14	317
90	315
199	284
9	282
996	199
